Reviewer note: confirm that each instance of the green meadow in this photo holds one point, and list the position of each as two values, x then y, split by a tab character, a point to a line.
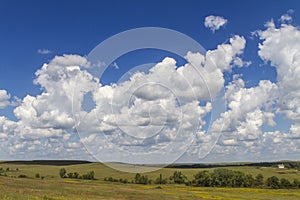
49	185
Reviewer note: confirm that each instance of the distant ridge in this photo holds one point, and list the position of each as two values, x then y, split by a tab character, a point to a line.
47	162
291	164
287	163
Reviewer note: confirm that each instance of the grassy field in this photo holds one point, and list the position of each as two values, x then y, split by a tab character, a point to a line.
53	187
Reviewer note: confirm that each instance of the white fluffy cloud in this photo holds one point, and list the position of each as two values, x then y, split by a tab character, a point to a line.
250	109
59	80
281	46
143	114
4	99
162	106
214	22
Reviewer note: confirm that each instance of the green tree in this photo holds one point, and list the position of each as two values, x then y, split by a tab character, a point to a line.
90	175
284	183
137	178
62	172
141	179
259	180
273	182
296	183
160	180
202	178
178	177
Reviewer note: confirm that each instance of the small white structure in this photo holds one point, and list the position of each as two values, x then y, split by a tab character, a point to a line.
281	166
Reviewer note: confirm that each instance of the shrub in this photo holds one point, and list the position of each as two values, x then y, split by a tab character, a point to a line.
75	175
37	175
22	176
70	175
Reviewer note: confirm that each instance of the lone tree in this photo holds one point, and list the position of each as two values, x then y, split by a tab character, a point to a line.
62	172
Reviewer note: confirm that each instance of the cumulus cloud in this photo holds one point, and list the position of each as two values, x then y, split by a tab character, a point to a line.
214	23
250	109
4	99
284	54
151	110
145	113
53	107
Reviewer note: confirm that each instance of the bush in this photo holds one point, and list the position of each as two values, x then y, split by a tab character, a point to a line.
22	176
75	175
70	175
37	175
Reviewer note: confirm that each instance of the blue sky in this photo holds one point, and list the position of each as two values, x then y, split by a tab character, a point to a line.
77	27
34	32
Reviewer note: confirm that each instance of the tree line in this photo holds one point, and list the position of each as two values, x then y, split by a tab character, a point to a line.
88	176
216	178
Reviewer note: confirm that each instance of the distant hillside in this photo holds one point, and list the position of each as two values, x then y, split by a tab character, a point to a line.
288	164
47	162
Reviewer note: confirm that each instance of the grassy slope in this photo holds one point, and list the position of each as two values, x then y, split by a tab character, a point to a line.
56	188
